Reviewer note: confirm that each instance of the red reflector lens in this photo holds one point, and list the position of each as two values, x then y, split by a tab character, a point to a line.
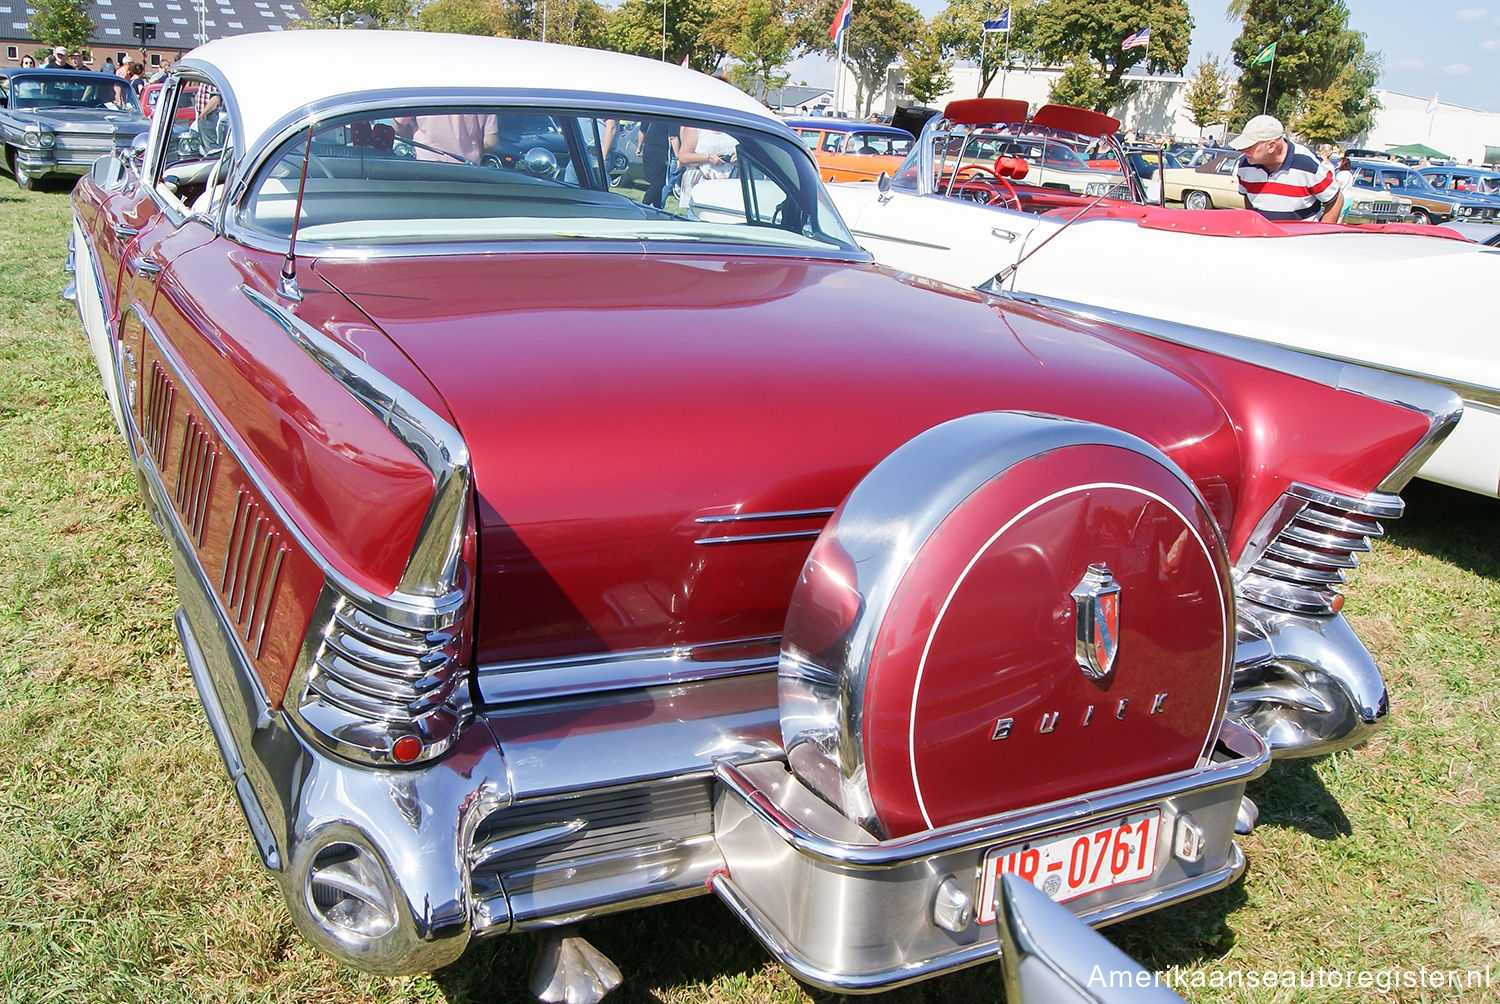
1338	602
406	749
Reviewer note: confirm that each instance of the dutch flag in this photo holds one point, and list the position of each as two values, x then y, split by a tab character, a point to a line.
841	21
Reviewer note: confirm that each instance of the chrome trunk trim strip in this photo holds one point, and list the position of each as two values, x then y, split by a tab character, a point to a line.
507	683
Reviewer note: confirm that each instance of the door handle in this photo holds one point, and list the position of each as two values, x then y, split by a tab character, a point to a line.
146	268
124	233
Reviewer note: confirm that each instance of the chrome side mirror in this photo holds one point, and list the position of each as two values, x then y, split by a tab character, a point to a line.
883	185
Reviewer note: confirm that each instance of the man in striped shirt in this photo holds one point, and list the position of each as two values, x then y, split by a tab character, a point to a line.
1283	180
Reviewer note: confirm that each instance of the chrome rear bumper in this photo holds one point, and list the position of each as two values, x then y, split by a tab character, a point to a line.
850	914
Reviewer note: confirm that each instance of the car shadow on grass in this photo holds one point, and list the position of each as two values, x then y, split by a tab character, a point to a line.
1291	794
697	950
1448	523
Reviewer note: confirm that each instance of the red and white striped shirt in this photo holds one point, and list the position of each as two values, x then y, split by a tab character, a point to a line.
1297	190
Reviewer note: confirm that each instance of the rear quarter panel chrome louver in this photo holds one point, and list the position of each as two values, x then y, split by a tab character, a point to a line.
1299	554
252	566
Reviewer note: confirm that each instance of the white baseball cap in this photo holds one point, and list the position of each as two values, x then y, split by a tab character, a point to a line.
1258	130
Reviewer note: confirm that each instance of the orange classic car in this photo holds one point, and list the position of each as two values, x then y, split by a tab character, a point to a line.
852	151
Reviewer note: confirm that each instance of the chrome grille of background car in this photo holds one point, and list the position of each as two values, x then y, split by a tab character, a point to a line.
381	671
1305	545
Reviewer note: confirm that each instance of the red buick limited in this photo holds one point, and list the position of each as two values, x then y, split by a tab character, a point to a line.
547	548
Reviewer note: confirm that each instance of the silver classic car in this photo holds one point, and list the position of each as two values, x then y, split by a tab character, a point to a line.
61	121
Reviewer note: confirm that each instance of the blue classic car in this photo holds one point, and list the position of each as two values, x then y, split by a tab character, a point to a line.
61	121
1472	184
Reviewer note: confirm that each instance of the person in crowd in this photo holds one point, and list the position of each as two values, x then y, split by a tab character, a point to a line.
134	74
1344	178
1281	179
453	139
108	66
28	62
75	61
57	59
703	153
161	72
653	145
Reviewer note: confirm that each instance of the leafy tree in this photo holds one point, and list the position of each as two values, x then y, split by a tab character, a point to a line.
1319	62
927	76
463	17
1093	30
1081	85
1345	108
879	32
61	22
1207	95
762	48
354	13
960	31
694	30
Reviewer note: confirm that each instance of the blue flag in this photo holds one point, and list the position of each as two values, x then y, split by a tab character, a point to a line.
1001	23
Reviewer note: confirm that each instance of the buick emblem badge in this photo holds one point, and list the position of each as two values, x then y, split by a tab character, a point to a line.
1097	599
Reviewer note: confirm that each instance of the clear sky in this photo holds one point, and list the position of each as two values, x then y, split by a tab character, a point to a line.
1450	48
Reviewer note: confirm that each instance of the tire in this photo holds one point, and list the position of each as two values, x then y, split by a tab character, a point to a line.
1421	216
24	180
1196	200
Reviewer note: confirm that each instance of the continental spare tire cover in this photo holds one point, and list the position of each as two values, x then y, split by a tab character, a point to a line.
1008	610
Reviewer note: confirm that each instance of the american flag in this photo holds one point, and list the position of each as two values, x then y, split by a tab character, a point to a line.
1138	40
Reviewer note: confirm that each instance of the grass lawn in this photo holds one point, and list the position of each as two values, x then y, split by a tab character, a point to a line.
127	874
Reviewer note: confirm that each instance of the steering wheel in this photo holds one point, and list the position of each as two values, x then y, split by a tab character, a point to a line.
1009	198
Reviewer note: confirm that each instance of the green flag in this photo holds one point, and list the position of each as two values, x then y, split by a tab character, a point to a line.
1266	55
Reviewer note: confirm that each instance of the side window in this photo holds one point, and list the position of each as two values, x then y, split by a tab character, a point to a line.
1364	176
809	138
832	142
195	152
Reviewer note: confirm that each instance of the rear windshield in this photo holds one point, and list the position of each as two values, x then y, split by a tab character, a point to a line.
449	174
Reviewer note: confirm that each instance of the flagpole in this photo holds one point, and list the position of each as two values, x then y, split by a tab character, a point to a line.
1005	66
1269	74
984	40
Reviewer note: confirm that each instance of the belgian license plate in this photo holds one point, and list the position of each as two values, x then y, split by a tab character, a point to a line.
1076	864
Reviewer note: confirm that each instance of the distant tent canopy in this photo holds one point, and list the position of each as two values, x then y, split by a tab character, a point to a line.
1416	150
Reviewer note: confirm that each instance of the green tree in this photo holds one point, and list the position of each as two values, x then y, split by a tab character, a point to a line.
61	22
927	76
1207	96
1343	109
358	13
1319	62
1075	30
879	32
463	17
694	30
1081	85
960	31
762	48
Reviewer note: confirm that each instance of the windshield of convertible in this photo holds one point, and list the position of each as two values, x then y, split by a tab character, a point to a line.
460	174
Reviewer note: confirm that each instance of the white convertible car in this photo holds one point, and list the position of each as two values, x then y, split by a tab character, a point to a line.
1397	298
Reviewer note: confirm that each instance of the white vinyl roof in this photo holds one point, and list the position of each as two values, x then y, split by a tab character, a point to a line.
273	73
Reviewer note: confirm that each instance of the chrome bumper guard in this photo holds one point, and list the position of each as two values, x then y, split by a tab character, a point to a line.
851	914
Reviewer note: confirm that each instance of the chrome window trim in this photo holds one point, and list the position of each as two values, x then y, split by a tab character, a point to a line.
252	160
1441	405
